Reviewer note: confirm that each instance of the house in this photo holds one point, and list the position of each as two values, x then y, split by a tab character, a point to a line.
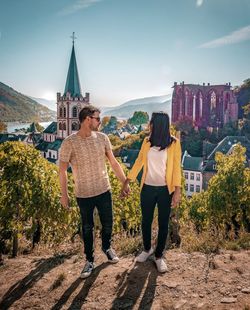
192	167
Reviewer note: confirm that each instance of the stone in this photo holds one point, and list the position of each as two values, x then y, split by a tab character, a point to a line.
171	284
180	304
228	300
246	290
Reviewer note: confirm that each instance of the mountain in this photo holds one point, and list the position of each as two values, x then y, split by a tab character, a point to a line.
50	104
15	106
148	104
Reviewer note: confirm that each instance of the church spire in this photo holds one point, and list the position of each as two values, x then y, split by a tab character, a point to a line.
73	83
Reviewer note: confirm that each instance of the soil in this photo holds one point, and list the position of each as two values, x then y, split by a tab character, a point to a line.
42	280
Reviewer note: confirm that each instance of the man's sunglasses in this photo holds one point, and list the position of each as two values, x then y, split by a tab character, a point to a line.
96	117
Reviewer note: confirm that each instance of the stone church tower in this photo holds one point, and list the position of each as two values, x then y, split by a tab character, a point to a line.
71	101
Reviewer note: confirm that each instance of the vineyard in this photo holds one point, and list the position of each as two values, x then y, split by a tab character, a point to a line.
33	222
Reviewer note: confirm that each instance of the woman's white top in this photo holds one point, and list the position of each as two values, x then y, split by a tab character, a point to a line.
157	164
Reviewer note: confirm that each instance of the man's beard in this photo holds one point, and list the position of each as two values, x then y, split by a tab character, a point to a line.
94	128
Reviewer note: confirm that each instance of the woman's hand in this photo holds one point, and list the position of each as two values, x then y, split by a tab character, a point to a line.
176	197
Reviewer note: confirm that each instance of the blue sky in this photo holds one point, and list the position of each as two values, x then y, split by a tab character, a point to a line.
125	49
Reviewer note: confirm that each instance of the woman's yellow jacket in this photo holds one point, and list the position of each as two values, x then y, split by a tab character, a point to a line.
173	170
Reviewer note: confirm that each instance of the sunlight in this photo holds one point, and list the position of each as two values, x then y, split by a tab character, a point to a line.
49	95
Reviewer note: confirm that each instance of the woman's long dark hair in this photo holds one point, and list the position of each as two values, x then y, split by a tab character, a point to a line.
160	131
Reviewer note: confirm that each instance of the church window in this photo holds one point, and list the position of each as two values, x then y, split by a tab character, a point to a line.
60	112
75	126
213	101
64	112
74	112
64	126
60	126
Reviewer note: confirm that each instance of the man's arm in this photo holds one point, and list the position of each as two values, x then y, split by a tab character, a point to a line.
63	177
116	167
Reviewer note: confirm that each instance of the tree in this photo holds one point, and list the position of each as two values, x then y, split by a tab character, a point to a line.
3	127
36	126
138	118
105	121
185	125
30	192
229	189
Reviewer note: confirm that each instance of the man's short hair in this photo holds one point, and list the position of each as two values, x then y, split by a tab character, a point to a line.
88	110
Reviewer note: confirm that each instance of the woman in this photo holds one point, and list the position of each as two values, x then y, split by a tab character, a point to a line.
160	158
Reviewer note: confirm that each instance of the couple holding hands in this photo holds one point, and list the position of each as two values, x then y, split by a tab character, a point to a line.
160	158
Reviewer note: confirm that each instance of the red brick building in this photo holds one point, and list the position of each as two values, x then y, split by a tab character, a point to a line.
207	105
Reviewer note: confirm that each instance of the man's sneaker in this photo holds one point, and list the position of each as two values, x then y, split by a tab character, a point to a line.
87	270
112	257
161	265
144	256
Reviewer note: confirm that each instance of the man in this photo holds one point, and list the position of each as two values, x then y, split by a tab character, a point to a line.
86	152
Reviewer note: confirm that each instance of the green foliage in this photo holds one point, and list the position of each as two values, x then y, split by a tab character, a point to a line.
125	209
229	189
138	118
30	191
227	198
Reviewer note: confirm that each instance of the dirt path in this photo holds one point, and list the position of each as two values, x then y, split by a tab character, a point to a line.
194	281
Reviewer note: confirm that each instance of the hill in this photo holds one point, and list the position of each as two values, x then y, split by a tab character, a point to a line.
194	281
15	106
149	105
50	104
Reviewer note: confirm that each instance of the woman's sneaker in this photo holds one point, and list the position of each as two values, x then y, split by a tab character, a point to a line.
144	256
87	270
161	265
111	255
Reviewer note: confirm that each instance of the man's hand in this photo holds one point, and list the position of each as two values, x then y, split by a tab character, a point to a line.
65	201
176	197
125	189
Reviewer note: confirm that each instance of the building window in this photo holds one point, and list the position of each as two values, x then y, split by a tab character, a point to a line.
198	188
75	126
198	177
186	187
49	154
64	126
213	101
191	187
191	176
61	112
60	126
186	175
74	112
64	112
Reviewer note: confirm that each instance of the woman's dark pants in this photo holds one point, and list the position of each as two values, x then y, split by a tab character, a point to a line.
150	197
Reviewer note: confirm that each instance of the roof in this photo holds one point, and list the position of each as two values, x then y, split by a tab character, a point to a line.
72	83
52	128
225	145
43	146
4	137
192	163
55	146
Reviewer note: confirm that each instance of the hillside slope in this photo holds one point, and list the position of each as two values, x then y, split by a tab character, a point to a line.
15	106
194	281
149	105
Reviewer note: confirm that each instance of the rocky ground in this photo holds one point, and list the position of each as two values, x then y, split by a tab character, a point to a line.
194	281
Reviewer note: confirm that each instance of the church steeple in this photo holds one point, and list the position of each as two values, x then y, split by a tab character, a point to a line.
73	83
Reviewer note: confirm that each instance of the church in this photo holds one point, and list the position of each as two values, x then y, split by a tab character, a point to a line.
208	106
69	105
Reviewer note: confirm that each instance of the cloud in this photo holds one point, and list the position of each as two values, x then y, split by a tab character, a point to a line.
199	2
237	36
77	6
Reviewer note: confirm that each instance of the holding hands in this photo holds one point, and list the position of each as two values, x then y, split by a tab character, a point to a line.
125	189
